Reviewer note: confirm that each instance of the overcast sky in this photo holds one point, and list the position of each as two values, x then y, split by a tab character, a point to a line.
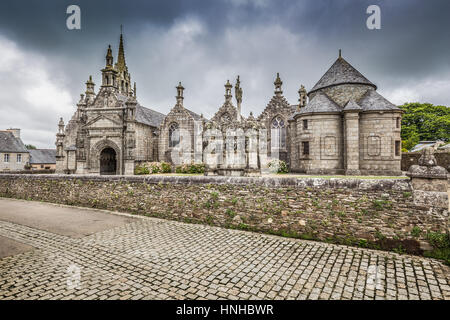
203	43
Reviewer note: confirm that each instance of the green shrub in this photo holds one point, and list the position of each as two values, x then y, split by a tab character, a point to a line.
153	167
278	166
439	240
190	168
416	231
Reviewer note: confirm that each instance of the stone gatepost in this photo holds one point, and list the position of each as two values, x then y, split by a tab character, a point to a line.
429	183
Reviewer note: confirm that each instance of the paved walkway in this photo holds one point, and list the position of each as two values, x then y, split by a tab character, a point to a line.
146	258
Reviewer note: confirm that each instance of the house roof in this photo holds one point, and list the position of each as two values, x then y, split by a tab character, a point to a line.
341	72
9	143
373	101
321	103
148	116
42	156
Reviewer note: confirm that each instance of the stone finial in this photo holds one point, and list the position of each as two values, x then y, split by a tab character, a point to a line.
302	97
427	167
228	87
427	159
340	53
429	181
238	90
179	96
278	83
109	57
61	126
134	90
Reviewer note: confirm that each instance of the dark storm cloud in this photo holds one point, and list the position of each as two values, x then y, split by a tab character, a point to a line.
204	43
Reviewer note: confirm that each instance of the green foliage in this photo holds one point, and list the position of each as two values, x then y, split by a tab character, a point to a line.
190	168
416	231
278	166
153	167
424	122
230	213
379	205
439	240
30	147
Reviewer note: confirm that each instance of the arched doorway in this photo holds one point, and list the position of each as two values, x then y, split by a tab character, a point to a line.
108	161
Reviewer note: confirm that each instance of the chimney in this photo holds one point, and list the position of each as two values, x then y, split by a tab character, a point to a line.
14	131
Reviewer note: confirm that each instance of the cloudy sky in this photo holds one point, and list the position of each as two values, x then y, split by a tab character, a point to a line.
203	43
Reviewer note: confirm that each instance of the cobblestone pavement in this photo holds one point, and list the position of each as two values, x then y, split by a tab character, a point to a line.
158	259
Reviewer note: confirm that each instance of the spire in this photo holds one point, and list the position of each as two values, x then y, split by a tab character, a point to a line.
340	53
90	87
134	89
179	96
109	57
61	126
121	55
238	95
278	83
228	95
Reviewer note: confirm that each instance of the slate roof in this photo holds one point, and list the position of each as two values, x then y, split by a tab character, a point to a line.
341	72
373	101
352	105
148	116
9	143
319	104
42	156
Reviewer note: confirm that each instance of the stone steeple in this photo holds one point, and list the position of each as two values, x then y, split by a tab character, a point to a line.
179	96
109	73
121	64
228	95
278	83
124	78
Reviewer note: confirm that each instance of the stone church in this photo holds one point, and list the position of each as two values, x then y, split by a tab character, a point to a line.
341	126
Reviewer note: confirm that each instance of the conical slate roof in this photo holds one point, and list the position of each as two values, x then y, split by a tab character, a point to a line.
341	72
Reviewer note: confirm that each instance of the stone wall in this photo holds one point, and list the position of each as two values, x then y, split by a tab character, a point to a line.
374	213
412	158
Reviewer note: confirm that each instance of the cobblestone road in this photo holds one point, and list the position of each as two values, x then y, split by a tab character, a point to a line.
156	259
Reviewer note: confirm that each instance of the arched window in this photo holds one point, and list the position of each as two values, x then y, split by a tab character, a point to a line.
278	133
174	135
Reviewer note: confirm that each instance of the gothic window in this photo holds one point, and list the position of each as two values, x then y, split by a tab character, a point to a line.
278	140
174	135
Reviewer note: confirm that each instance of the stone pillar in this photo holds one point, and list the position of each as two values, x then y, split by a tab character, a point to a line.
429	182
351	143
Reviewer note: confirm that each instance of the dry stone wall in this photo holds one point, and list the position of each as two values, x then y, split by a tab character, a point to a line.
374	213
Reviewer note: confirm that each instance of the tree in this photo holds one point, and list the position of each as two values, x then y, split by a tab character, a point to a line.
424	122
30	147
